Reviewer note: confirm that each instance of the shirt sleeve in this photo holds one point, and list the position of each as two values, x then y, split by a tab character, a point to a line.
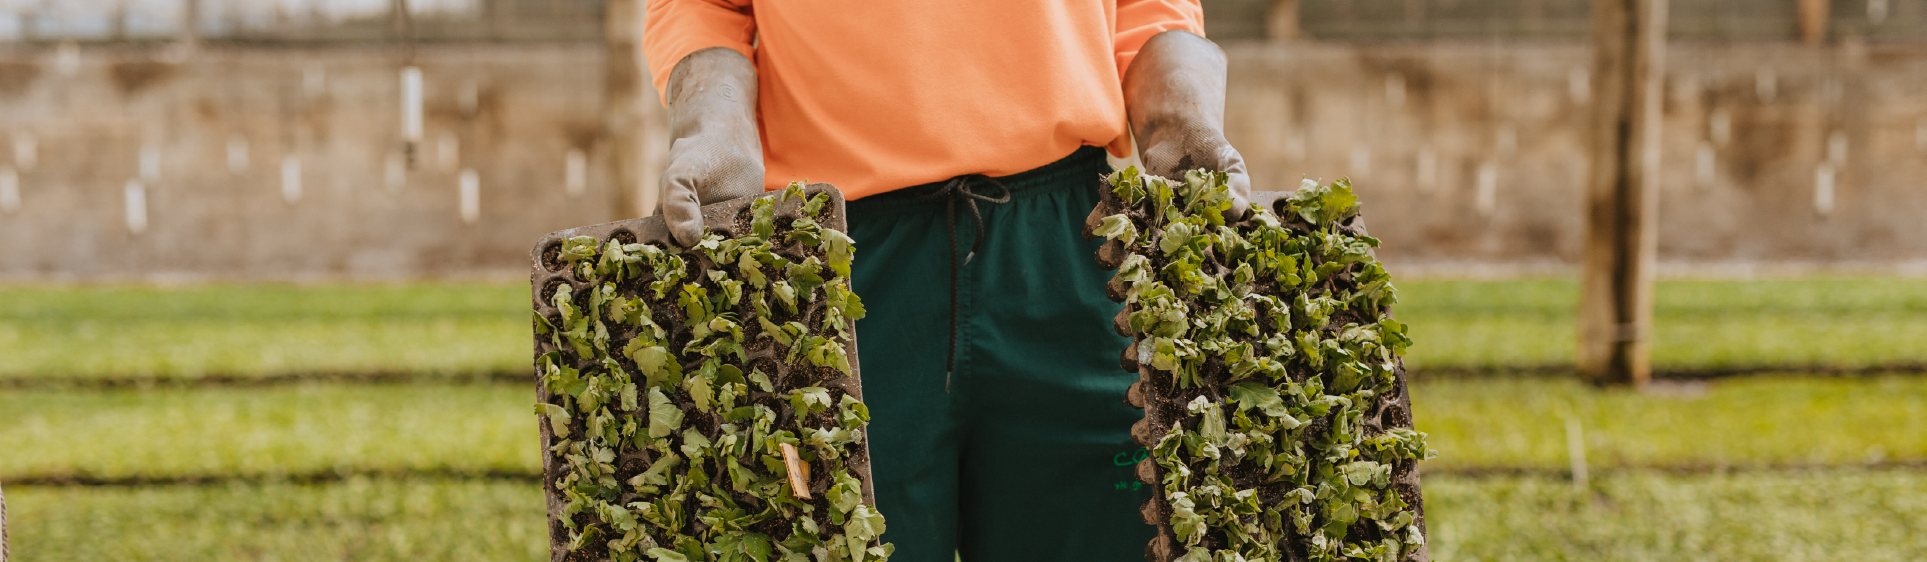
672	29
1140	20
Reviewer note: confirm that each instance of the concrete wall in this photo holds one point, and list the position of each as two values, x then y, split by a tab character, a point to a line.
1473	153
329	118
1467	154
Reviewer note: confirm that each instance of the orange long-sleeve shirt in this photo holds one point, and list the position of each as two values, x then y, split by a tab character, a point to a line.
879	95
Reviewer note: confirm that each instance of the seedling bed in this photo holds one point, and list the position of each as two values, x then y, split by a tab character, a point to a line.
705	404
1275	401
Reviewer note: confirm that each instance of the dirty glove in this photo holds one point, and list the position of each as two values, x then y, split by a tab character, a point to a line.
716	154
1174	94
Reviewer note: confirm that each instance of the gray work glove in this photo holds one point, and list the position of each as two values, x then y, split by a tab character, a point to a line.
716	154
1174	95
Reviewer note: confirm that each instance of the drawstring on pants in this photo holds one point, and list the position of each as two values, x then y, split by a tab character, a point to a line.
958	188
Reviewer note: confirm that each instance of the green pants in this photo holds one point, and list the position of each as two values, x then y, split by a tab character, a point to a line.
1023	452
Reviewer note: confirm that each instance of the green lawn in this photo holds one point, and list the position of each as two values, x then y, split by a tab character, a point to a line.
1475	423
302	429
1767	517
1835	322
1521	422
360	519
1780	517
445	332
246	330
457	329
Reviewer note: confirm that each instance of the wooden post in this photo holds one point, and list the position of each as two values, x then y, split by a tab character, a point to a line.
1282	22
1813	21
625	91
1622	192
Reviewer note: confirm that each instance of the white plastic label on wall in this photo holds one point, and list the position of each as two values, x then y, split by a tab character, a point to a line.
411	104
136	206
575	172
471	189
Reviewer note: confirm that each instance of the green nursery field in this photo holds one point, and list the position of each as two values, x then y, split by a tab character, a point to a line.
267	432
454	330
262	330
1828	323
1738	422
1477	424
360	519
1818	516
1790	517
439	464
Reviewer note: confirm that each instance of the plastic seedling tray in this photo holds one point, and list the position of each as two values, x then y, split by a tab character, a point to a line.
1256	446
675	417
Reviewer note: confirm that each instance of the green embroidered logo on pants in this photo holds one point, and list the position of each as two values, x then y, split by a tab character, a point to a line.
1129	459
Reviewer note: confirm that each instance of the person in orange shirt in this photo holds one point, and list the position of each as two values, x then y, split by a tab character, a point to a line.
967	137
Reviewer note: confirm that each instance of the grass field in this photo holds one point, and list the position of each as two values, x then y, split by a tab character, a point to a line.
1752	421
461	329
1768	517
296	430
1477	424
450	329
1661	490
1822	516
1825	322
360	520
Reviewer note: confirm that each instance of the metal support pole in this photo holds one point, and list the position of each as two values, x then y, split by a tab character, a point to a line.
1622	192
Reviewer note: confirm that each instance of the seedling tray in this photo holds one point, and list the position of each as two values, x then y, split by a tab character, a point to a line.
1275	401
686	408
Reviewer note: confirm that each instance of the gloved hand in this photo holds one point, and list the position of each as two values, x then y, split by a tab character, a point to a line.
716	154
1174	95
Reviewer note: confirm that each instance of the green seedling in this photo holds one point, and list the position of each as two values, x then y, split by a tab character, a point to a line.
671	440
1269	364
